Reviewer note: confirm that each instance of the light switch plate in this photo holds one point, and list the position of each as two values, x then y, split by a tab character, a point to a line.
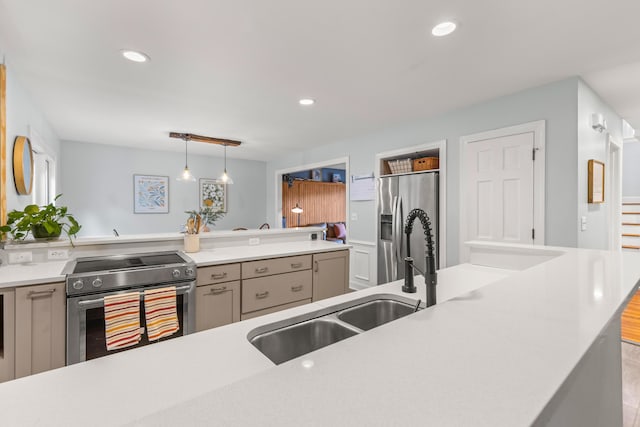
254	241
20	257
583	223
58	254
354	216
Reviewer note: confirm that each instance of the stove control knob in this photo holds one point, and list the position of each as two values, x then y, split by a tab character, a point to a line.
78	284
189	271
97	283
175	273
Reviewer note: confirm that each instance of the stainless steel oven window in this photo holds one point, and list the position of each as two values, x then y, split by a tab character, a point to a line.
77	316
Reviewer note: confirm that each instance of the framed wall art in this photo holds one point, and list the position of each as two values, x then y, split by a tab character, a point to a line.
150	194
316	174
595	186
213	194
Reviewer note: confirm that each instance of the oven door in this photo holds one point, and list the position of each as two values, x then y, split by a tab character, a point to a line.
86	328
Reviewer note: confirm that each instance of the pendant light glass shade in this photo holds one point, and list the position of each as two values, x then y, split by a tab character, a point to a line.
186	174
225	178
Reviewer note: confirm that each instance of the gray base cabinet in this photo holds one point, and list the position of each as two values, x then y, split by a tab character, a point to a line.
217	296
7	335
40	328
330	274
217	305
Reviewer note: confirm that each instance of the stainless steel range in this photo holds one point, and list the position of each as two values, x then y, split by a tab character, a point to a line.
90	279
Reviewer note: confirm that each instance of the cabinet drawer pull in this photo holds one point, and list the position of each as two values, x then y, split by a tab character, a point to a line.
219	275
36	294
296	265
296	288
316	266
262	270
218	290
262	295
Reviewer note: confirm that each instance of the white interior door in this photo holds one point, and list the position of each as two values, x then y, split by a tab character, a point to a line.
500	189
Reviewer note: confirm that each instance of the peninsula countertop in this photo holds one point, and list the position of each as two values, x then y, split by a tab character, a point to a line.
494	351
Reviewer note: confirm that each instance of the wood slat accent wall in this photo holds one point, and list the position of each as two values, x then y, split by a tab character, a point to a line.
320	201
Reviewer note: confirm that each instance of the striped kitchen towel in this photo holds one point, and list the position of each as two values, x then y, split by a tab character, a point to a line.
160	311
122	320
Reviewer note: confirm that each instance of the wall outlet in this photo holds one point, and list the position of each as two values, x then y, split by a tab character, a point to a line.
354	216
58	254
19	257
583	223
254	241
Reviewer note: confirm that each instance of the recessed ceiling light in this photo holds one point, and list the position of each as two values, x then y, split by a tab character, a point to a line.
443	29
134	56
307	101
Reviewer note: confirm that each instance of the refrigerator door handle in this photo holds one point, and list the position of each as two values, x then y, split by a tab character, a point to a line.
394	239
397	237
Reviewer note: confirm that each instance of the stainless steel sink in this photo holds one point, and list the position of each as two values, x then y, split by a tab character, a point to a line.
293	341
375	313
290	338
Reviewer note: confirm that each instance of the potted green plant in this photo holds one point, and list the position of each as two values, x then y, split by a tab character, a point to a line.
208	215
43	222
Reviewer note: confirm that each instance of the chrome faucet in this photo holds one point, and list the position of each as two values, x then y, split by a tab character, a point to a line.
430	275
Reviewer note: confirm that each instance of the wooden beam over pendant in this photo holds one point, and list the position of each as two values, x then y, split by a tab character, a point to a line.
207	139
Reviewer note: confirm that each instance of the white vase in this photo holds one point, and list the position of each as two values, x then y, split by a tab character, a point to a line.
191	243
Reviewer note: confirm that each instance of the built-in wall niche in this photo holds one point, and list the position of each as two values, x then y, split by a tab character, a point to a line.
413	162
320	174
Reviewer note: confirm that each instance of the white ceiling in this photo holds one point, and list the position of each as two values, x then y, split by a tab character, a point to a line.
236	69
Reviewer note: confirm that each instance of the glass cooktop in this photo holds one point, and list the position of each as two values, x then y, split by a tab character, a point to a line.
87	265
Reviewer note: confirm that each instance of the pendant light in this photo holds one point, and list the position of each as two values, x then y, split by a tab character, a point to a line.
186	174
225	178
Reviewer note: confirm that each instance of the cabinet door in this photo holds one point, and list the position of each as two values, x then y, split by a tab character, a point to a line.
217	305
7	330
40	328
330	274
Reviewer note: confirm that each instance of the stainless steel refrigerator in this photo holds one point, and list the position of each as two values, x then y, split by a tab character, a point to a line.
397	196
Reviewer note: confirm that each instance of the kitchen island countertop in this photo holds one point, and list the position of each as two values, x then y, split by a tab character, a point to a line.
494	351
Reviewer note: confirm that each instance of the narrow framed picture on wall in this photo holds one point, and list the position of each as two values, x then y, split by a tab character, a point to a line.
595	186
150	194
213	194
316	174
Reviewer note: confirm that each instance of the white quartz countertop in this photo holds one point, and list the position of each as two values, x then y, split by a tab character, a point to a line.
47	272
493	352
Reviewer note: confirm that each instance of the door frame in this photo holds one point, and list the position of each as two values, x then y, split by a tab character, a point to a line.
278	186
538	128
614	148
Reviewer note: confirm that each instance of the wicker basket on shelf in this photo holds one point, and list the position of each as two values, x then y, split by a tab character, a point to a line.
426	163
400	166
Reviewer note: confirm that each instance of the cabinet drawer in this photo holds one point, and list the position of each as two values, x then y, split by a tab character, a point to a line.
273	309
218	274
264	292
266	267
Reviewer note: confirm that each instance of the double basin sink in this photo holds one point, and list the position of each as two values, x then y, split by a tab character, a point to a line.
287	339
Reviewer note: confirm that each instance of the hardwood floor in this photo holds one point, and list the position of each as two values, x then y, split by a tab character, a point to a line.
631	320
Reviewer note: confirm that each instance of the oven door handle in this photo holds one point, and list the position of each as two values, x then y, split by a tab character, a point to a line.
186	288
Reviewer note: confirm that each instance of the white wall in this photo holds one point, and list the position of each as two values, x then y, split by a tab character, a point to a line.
556	103
97	182
593	145
23	118
631	170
